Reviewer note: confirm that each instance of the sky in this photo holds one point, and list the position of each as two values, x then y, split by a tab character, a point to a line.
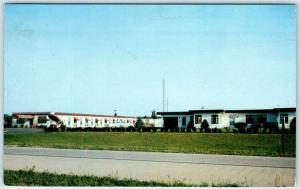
100	58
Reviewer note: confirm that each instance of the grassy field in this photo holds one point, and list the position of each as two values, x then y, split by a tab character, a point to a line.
208	143
32	178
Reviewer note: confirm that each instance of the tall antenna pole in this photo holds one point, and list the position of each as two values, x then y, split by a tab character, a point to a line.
163	94
167	104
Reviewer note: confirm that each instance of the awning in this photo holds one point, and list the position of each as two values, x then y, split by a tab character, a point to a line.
54	117
25	116
76	119
97	119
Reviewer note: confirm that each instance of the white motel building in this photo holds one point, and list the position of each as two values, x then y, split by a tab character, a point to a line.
217	118
70	120
220	118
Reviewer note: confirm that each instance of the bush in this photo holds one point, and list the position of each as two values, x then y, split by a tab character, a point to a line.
63	128
240	126
182	129
146	129
254	128
271	127
235	131
204	126
208	130
219	131
293	126
214	130
130	129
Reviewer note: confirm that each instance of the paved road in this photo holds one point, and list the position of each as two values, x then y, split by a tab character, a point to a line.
23	130
190	168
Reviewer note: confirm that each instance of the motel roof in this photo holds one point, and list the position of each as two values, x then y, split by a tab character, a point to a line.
68	114
274	110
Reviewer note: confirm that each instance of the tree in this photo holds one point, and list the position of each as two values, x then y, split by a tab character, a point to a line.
191	126
293	126
240	126
204	126
139	123
7	120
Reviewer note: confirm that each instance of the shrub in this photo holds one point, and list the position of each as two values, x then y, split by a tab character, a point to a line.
130	129
214	130
146	129
270	126
219	131
235	131
182	129
240	126
63	128
204	126
254	128
293	126
208	130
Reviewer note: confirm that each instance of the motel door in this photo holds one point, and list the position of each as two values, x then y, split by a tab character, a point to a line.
231	120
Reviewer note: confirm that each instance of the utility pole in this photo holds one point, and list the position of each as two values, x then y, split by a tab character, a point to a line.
163	94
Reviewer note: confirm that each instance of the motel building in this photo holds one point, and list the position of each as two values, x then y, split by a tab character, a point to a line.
220	118
70	120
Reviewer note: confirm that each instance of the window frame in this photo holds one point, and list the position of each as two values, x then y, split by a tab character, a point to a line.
214	119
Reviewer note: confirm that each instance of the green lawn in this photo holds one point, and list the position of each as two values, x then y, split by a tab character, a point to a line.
32	178
208	143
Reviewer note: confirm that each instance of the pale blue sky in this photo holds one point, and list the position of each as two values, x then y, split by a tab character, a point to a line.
97	58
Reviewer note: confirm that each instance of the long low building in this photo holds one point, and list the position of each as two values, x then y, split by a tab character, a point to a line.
219	118
70	120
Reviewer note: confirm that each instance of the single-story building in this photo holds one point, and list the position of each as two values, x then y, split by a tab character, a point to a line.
220	118
70	120
152	121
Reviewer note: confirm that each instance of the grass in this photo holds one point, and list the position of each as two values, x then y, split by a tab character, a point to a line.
32	178
207	143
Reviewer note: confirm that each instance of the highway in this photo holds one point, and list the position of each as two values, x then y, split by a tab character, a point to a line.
190	168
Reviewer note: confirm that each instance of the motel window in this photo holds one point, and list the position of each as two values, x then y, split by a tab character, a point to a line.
184	121
113	121
250	119
42	119
21	121
105	121
214	119
198	119
69	122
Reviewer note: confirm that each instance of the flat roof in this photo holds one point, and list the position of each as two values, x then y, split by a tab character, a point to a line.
69	114
230	111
